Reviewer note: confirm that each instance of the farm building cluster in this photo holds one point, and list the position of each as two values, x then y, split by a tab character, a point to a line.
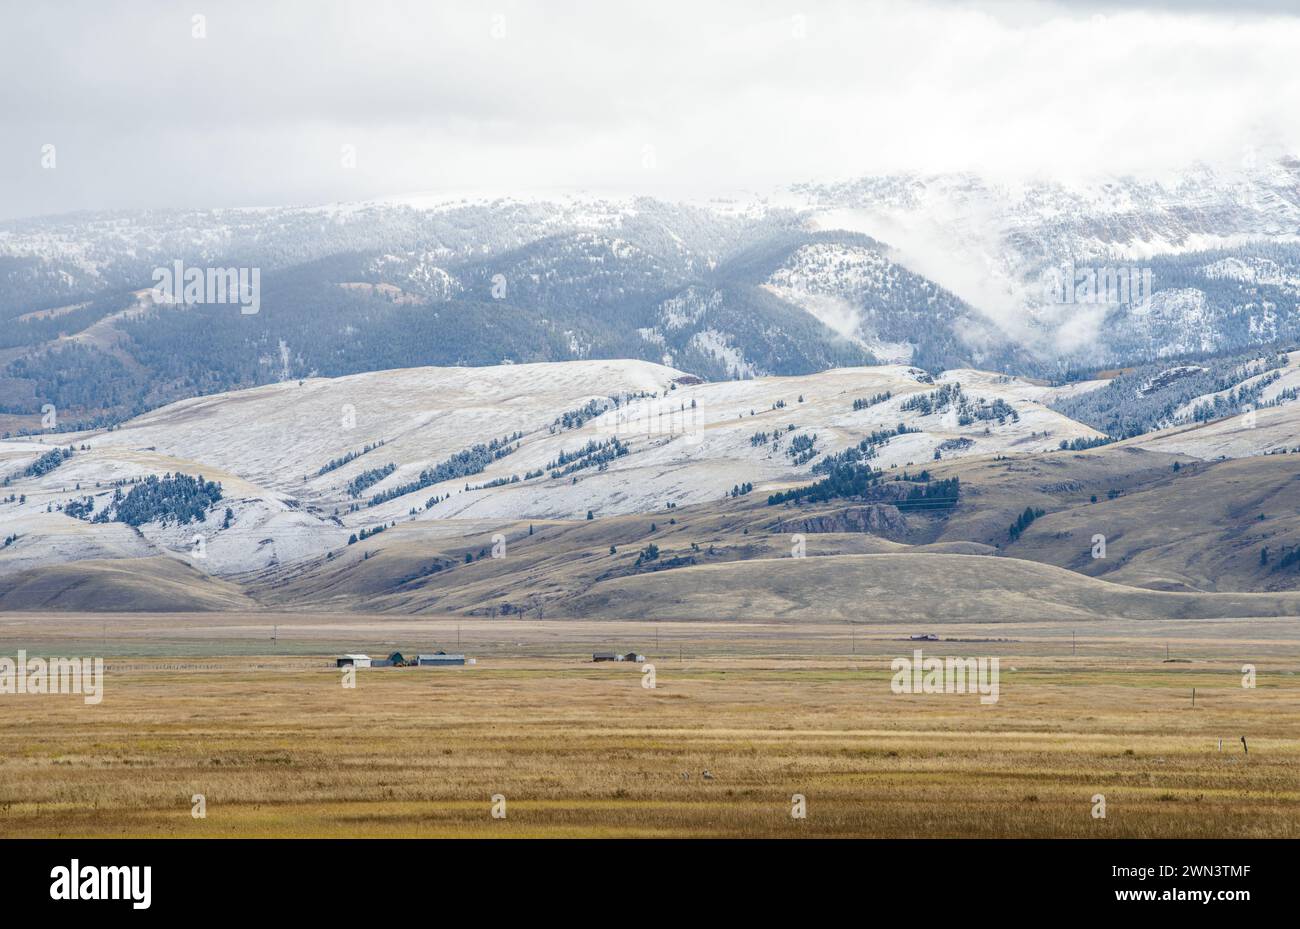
398	660
617	656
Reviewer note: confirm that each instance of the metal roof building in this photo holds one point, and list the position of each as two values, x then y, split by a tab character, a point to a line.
434	661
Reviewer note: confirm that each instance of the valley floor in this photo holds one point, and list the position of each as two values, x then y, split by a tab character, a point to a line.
209	704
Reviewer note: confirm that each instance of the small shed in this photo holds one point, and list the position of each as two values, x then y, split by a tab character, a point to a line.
441	659
353	661
396	660
633	656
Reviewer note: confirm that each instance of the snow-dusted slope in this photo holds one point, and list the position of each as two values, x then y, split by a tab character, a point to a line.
682	442
837	283
1265	431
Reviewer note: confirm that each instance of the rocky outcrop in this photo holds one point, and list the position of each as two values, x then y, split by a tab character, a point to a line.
876	518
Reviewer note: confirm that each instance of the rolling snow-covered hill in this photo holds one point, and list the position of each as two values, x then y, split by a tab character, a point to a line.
640	437
306	465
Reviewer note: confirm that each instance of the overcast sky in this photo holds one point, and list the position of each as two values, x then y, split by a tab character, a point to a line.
663	98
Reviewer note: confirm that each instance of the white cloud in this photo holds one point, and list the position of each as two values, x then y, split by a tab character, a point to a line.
730	95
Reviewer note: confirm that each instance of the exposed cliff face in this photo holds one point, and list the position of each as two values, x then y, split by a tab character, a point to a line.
876	518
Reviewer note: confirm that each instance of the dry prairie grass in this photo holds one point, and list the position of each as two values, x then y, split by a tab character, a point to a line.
584	750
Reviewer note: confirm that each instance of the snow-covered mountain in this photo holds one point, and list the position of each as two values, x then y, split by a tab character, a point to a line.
992	244
939	272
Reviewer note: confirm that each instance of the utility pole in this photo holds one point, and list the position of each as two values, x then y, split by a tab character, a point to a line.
1074	648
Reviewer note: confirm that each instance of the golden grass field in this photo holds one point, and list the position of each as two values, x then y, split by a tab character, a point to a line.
209	705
